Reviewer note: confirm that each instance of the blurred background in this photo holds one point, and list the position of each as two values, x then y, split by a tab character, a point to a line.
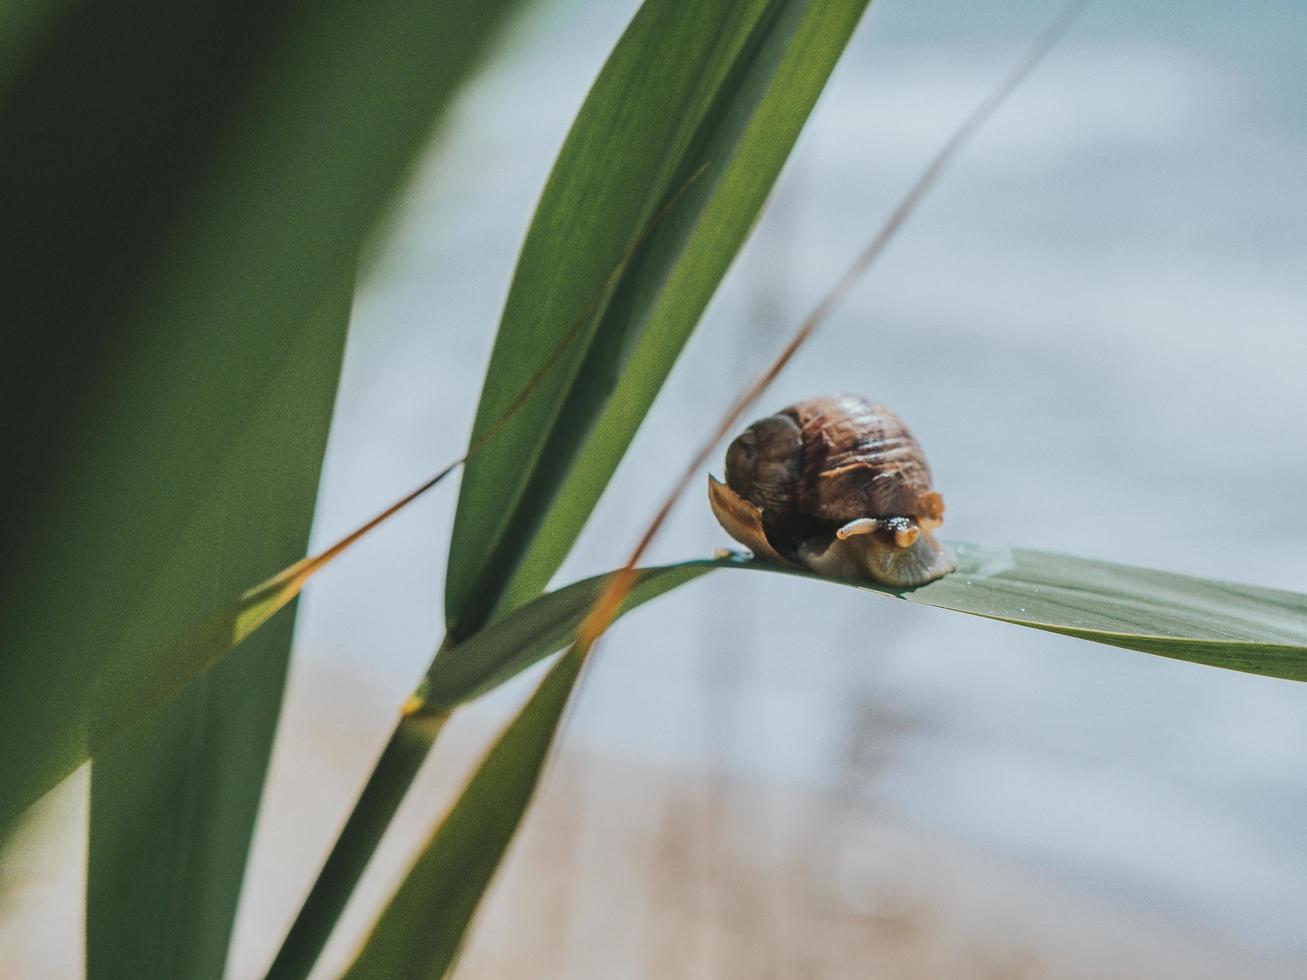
1095	326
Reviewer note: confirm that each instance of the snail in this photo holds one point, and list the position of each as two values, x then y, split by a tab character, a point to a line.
836	484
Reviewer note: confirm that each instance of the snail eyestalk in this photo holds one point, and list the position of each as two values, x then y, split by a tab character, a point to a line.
863	525
906	537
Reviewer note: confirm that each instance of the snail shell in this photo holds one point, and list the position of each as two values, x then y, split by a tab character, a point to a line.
836	484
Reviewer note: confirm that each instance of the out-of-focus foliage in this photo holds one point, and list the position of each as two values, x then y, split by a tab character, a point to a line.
187	190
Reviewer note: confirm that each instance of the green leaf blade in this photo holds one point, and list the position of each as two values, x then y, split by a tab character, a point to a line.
535	630
191	187
173	802
757	69
168	837
421	930
613	171
208	175
1220	624
381	796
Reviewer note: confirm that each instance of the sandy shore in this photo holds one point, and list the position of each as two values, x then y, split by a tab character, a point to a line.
629	869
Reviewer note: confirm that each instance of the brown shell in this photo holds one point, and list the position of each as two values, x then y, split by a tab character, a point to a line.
846	458
860	460
837	484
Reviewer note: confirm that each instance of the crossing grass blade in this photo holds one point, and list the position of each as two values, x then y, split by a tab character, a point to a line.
173	803
536	630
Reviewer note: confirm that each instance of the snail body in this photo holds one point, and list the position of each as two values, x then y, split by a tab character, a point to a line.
836	484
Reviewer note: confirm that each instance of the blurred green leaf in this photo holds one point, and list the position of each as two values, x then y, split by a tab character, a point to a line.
713	83
173	802
421	930
186	184
208	177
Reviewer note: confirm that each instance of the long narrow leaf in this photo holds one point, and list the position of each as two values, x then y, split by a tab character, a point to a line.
422	928
187	188
173	804
184	185
395	770
716	82
536	630
1220	624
